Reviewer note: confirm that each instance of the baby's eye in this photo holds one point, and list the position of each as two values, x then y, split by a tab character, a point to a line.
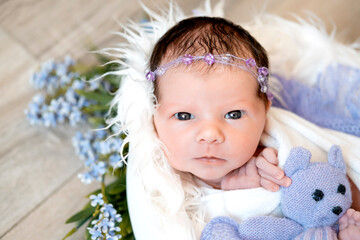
235	114
341	189
183	116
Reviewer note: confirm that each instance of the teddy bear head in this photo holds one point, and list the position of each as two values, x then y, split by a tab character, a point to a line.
320	192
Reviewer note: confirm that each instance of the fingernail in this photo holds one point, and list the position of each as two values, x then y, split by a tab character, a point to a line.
288	181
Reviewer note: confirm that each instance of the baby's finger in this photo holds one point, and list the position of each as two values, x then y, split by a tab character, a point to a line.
250	167
270	154
285	181
357	217
268	185
353	216
270	169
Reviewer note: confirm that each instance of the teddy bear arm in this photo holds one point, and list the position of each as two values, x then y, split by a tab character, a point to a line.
268	227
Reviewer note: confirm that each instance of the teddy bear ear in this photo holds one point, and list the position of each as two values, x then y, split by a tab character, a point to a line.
299	158
335	158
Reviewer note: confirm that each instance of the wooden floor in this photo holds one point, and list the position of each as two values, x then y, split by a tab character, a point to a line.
39	188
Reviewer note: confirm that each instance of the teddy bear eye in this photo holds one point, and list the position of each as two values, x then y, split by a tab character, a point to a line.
317	195
341	189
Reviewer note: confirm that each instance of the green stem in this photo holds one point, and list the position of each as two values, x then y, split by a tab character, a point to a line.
103	189
97	210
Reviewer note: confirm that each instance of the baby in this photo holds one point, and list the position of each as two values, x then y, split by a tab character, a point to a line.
211	85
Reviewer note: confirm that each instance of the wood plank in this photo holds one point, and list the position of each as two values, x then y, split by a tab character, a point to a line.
39	25
343	15
56	28
35	165
16	66
97	30
47	221
33	161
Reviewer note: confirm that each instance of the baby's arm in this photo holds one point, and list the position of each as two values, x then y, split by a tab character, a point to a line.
259	171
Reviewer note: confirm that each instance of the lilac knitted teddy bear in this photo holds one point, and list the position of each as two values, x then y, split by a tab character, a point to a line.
318	196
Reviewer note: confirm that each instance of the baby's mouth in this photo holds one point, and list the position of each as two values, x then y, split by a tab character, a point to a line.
211	160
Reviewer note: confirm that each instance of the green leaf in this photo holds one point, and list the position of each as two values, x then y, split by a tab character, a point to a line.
129	237
84	69
117	189
118	186
95	108
125	225
102	98
72	231
77	226
82	215
96	121
113	80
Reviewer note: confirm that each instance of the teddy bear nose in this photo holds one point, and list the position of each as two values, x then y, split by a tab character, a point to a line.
337	210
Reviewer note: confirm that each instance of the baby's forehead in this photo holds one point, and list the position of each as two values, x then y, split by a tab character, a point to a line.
203	72
208	65
203	69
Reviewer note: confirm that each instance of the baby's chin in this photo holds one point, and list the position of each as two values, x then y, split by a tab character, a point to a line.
211	181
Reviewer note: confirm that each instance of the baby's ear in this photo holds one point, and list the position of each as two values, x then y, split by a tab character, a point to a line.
267	107
336	159
299	158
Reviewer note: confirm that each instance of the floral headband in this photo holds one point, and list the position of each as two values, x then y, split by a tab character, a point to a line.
249	65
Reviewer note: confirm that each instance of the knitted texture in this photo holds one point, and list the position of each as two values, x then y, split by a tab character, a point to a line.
324	233
318	196
224	228
221	228
333	102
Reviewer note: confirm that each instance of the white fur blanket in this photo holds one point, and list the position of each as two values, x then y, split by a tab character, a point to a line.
159	203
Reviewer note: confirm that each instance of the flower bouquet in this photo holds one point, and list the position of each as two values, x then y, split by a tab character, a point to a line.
79	95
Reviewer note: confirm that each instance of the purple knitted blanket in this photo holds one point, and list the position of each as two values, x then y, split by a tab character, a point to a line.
333	102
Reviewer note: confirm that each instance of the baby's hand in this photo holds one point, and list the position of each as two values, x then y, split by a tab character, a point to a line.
271	176
349	225
260	171
245	177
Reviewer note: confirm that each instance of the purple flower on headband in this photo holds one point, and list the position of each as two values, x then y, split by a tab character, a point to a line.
187	59
150	76
269	95
263	71
251	62
209	58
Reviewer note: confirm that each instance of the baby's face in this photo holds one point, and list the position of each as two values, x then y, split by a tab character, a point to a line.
210	122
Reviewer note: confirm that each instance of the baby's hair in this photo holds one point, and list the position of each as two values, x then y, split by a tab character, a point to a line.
202	35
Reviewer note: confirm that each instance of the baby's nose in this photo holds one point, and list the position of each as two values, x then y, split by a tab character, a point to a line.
337	210
210	133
